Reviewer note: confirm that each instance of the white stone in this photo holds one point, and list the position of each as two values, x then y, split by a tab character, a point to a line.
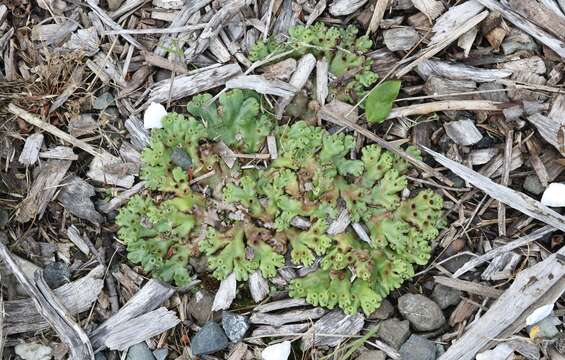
33	351
554	195
539	314
153	116
279	351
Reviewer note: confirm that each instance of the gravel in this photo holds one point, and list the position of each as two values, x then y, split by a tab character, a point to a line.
235	326
423	313
209	339
140	352
418	348
394	332
445	296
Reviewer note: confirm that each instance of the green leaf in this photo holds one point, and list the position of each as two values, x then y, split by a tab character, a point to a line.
379	102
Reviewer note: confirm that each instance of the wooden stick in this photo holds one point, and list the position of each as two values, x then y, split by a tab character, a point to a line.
378	13
36	121
70	333
512	198
436	48
517	302
446	105
523	241
469	286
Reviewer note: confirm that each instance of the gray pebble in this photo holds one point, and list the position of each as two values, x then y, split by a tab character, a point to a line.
235	326
103	101
209	339
200	306
371	355
394	332
445	296
423	313
161	354
140	352
418	348
56	274
533	185
180	158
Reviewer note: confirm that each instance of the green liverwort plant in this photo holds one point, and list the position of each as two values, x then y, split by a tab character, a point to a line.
342	47
314	178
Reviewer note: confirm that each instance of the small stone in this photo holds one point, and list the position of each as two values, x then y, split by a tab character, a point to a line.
533	185
235	326
56	274
153	115
33	351
180	158
279	351
209	339
463	132
554	195
161	354
445	296
103	101
100	356
423	313
140	351
418	348
200	306
372	355
383	312
394	332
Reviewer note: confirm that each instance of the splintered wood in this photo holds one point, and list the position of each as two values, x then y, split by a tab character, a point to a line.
538	285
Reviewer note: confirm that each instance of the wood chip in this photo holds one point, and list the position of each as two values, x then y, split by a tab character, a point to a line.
431	8
280	304
52	309
333	323
258	286
345	7
133	331
74	236
121	198
502	267
261	85
401	39
286	317
529	286
30	152
455	71
378	14
75	197
186	85
299	78
225	294
77	297
148	298
469	286
435	106
272	331
322	90
514	244
42	190
512	198
525	25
